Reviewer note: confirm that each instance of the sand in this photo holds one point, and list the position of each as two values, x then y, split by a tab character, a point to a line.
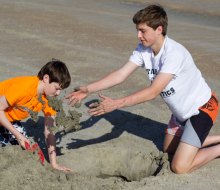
122	149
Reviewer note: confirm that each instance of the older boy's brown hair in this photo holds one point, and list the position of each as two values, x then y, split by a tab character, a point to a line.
154	16
57	71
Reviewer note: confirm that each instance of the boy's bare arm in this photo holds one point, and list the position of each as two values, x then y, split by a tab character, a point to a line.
108	81
51	145
113	78
7	124
149	93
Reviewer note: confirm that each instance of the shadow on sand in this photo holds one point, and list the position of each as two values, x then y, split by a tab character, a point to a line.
122	121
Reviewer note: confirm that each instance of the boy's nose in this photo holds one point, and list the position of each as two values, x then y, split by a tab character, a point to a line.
57	92
139	34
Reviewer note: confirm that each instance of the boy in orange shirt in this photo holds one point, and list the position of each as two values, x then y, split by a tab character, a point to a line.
20	95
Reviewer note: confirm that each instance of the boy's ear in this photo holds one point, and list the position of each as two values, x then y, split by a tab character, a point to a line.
160	29
46	78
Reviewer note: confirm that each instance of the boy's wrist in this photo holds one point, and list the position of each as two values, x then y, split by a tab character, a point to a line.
53	160
88	90
53	164
121	103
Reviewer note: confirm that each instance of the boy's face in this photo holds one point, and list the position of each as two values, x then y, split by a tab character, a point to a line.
147	35
51	89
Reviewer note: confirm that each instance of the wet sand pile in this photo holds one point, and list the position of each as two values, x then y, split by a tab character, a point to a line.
65	123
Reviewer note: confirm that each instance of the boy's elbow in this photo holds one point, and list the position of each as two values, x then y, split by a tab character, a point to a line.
155	90
154	95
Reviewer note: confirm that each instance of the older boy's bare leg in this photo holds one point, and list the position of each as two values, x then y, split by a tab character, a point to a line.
211	140
188	158
205	155
170	144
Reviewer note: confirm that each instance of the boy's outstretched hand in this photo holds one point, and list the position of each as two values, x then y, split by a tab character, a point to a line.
77	95
105	105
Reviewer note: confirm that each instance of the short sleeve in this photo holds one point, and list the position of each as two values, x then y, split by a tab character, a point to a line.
136	56
15	93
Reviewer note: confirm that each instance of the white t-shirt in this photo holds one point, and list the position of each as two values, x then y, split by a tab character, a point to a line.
187	91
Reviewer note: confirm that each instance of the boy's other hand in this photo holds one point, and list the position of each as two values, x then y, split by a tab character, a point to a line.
23	141
61	168
77	95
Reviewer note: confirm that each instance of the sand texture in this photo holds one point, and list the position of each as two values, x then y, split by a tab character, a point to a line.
122	149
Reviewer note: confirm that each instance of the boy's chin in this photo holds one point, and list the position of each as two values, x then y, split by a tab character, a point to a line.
145	45
51	95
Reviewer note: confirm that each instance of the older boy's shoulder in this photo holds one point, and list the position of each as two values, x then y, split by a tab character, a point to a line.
173	47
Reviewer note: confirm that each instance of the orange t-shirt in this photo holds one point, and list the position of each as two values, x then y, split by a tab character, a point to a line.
21	94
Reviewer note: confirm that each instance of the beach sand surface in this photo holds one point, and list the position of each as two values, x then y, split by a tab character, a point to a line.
122	149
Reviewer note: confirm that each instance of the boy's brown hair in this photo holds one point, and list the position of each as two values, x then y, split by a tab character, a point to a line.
57	71
154	16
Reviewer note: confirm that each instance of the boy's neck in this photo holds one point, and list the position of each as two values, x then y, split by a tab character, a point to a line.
158	45
40	87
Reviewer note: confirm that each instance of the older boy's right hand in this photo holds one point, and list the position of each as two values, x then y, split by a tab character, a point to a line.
77	95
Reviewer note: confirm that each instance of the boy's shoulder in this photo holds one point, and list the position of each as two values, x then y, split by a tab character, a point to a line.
23	79
172	47
20	82
19	88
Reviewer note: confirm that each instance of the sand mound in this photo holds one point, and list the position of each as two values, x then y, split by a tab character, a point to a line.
108	164
127	157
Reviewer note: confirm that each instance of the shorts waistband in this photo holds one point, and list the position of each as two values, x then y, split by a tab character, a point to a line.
211	107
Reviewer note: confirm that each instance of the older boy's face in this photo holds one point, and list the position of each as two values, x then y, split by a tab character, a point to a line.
146	34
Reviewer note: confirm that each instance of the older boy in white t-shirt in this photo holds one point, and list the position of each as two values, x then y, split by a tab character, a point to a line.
174	77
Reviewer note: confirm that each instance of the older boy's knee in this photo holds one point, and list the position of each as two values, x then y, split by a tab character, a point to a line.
179	167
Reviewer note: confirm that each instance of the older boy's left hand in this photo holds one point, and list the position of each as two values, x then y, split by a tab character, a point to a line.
104	106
